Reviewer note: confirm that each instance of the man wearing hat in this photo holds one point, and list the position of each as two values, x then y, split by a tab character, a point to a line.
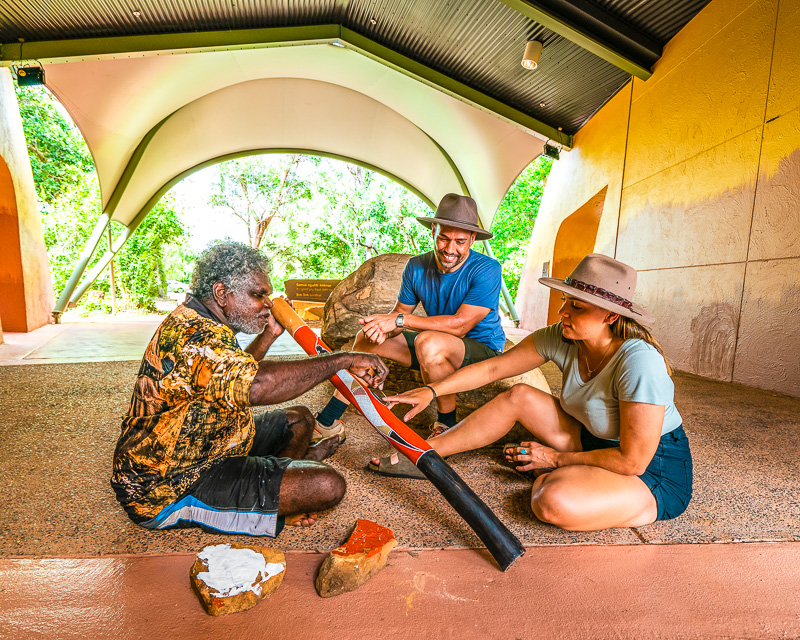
459	289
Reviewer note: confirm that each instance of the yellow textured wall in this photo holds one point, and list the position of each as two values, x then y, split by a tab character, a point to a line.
709	202
595	163
26	289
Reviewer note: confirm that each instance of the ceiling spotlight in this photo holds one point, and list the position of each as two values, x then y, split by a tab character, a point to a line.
373	21
542	105
532	52
137	13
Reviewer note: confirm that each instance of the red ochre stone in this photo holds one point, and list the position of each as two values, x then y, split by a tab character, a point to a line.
351	565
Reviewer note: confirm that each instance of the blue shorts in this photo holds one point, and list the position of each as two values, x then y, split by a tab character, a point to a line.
669	474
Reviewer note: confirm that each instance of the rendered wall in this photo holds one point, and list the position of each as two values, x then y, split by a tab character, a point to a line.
26	289
702	163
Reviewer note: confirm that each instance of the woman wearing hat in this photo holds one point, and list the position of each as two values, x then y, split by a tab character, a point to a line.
611	451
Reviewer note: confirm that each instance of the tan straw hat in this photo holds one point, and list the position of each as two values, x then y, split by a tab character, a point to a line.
457	211
603	282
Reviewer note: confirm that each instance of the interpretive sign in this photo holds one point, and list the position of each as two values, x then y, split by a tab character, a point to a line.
310	290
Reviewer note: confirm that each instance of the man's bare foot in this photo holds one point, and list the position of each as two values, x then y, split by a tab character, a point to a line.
323	449
301	519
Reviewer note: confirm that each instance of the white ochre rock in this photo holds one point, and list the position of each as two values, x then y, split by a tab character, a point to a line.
229	577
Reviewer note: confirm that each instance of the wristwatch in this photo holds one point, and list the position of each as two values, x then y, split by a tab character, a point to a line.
399	321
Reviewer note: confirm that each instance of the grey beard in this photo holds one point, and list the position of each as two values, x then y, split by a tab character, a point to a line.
242	324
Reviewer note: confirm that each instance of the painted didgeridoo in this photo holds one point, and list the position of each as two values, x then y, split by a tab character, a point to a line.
501	543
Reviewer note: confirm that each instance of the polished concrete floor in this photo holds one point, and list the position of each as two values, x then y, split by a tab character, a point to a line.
577	592
60	408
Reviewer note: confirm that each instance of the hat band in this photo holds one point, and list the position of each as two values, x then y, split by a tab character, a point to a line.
600	293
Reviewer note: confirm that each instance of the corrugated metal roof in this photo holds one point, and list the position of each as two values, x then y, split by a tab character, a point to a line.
660	19
479	43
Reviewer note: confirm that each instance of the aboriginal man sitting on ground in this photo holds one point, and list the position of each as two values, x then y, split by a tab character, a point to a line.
460	291
191	452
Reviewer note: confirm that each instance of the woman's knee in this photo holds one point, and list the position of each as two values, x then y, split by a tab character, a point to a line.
522	393
550	502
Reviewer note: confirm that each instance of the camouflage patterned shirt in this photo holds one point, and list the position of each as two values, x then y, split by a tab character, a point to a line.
190	409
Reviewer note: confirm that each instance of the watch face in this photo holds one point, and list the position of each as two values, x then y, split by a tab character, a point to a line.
400	320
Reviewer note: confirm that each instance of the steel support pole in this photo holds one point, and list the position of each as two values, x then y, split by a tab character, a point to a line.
512	310
80	267
88	281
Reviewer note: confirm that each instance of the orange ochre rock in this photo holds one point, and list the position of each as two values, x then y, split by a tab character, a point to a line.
351	565
229	578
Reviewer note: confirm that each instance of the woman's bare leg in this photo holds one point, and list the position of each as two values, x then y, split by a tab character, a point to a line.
584	498
578	497
539	412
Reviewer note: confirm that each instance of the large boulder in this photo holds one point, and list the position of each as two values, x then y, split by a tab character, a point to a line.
361	557
402	379
372	288
229	578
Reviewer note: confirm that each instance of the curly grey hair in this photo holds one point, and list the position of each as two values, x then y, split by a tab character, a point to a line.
230	263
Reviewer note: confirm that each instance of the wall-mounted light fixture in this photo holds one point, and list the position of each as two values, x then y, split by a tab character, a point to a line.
530	60
551	151
28	76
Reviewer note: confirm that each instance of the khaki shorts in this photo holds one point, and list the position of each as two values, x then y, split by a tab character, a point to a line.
474	351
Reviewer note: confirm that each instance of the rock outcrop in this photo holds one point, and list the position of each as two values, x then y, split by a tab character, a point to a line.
372	288
361	557
229	578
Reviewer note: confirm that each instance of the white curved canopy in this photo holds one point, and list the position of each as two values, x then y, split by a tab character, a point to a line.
150	119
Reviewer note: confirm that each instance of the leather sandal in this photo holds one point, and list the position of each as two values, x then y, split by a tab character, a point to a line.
396	466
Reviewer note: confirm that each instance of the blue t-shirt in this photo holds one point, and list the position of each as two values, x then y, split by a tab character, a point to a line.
476	282
635	373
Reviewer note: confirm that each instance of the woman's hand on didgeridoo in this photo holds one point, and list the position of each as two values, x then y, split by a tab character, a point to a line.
417	398
369	367
531	455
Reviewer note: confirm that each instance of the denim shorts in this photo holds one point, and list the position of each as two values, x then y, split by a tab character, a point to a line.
669	474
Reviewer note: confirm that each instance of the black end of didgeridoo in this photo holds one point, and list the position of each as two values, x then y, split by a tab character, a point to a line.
504	546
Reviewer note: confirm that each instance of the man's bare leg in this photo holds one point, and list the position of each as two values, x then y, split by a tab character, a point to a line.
308	487
394	348
439	355
301	424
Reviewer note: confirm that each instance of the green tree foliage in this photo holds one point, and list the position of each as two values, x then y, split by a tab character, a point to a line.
141	261
513	224
259	189
355	214
69	199
59	157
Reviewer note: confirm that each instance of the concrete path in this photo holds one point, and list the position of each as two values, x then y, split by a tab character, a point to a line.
98	340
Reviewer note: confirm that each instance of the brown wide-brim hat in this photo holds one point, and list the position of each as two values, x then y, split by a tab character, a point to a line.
605	283
457	211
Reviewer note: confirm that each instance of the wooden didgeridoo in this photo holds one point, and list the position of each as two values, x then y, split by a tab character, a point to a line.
501	543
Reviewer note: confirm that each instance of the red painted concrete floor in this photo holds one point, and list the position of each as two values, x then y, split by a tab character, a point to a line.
647	591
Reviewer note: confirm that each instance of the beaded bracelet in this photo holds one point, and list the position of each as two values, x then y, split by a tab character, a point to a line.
433	391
